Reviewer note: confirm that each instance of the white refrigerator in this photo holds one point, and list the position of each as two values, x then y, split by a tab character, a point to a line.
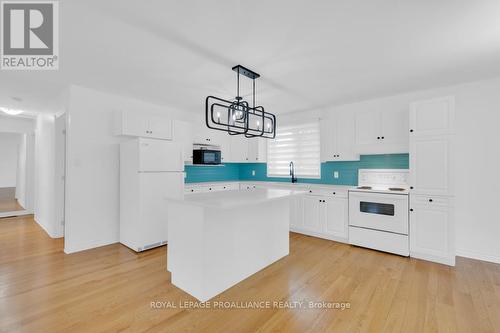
151	173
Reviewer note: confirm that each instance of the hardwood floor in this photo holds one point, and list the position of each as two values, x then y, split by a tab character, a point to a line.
8	202
111	288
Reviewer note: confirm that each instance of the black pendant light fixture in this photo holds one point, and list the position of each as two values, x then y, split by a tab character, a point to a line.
238	117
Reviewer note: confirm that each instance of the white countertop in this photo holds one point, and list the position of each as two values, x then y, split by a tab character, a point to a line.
236	198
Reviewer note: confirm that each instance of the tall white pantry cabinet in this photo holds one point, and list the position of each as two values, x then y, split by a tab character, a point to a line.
432	231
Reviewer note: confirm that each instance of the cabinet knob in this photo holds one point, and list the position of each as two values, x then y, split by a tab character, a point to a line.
192	190
382	137
378	137
411	209
411	131
333	192
430	200
210	189
310	191
411	187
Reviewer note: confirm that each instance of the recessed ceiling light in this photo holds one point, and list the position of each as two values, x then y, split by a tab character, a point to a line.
12	112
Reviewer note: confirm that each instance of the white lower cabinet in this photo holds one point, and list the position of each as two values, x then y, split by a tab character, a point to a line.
197	188
432	234
334	216
321	216
311	213
296	216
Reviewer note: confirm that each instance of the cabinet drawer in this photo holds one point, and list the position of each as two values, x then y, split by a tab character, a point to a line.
195	189
327	192
429	200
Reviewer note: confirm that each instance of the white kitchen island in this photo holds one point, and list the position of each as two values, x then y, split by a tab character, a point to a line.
216	240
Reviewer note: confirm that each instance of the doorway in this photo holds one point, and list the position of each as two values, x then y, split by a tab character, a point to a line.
16	173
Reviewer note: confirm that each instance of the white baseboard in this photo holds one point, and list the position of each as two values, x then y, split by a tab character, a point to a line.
87	246
15	213
478	256
319	235
51	233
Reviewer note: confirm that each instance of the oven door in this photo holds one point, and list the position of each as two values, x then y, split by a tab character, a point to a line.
379	211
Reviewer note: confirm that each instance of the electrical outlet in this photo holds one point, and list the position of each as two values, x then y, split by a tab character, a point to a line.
336	174
253	173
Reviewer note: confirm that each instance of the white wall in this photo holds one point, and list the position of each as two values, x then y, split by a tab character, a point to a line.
14	124
477	159
21	170
44	205
9	150
92	166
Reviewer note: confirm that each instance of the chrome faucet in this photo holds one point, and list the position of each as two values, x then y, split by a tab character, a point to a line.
292	173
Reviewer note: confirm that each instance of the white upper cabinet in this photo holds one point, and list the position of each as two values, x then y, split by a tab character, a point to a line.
247	150
257	150
239	149
430	158
431	149
338	138
143	124
382	132
432	117
183	135
368	130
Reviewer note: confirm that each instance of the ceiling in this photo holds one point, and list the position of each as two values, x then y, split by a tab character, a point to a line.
311	54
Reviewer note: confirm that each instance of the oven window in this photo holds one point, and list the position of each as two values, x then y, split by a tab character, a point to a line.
376	208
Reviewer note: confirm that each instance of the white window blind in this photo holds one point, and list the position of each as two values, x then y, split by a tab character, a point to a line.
299	144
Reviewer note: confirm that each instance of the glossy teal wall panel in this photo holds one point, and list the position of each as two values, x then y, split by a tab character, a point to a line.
348	171
226	172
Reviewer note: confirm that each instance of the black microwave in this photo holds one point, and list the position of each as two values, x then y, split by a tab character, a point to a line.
206	156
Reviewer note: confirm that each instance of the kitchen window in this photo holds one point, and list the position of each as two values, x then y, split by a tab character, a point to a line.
299	144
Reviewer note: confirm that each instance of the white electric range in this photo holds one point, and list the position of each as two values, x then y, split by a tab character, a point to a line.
378	210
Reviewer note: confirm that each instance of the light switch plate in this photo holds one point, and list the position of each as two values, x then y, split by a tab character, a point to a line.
335	174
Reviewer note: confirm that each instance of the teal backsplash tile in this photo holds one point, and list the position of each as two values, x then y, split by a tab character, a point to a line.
348	171
226	172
